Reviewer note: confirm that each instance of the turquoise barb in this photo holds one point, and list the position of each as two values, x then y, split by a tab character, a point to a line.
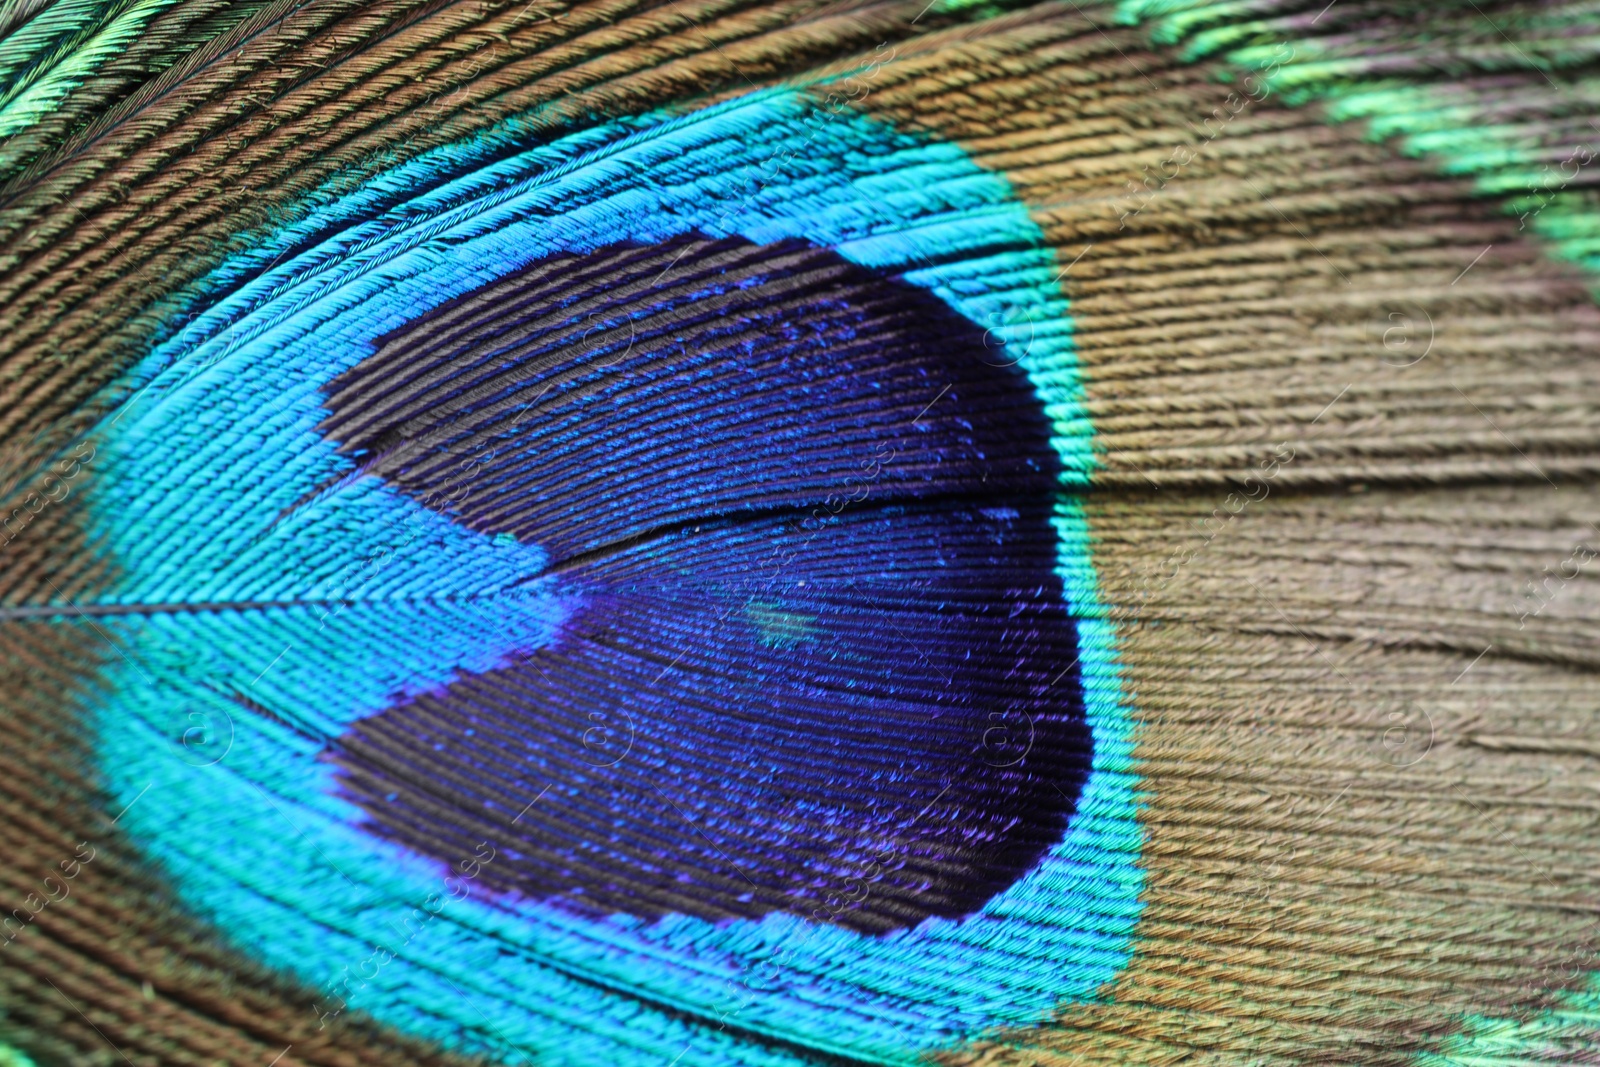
378	599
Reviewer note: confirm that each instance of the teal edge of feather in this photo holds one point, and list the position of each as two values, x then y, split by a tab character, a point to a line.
1061	933
65	44
1431	120
14	1057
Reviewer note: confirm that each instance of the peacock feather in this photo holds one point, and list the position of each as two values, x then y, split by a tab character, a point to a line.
706	533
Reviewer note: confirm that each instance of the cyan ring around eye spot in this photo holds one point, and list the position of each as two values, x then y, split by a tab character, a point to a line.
261	843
